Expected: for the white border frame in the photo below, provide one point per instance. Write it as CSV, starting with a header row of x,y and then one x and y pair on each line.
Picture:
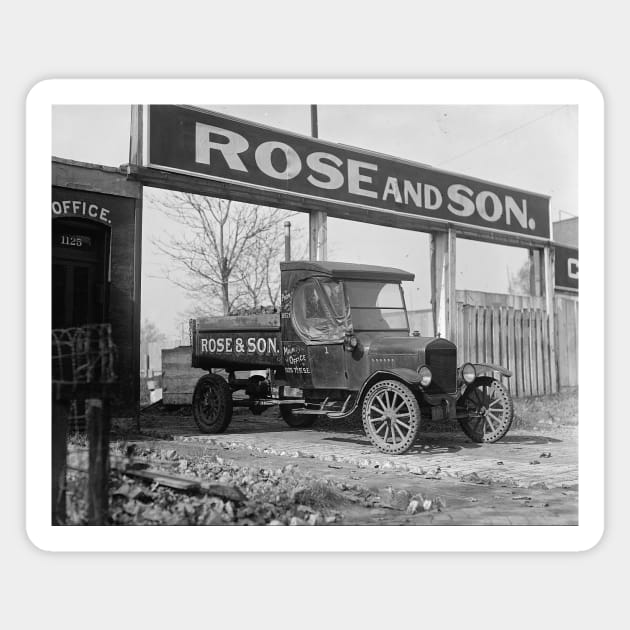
x,y
39,103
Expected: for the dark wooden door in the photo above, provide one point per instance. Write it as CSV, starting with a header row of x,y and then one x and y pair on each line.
x,y
74,294
78,274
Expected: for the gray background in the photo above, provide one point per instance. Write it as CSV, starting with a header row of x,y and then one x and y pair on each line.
x,y
480,39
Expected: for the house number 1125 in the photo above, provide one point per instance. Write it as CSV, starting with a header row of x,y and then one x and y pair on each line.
x,y
71,240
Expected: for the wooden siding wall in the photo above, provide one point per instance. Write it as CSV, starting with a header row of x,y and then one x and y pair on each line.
x,y
74,181
178,377
567,329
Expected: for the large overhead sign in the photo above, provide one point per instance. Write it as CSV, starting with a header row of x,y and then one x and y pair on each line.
x,y
202,143
567,268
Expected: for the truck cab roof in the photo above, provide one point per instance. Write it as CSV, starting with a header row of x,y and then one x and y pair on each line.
x,y
347,271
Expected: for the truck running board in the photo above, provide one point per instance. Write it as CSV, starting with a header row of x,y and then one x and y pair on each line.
x,y
265,402
345,410
318,411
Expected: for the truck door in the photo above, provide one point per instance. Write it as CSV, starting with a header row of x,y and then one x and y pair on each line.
x,y
314,354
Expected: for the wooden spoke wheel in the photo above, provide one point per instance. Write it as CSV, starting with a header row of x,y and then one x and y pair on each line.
x,y
212,404
391,416
485,410
296,421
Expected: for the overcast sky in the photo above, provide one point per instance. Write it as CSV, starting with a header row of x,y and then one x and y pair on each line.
x,y
528,147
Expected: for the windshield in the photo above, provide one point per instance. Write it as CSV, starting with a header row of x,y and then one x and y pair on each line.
x,y
376,306
320,312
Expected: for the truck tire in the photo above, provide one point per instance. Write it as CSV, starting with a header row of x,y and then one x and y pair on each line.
x,y
391,416
490,410
212,404
296,421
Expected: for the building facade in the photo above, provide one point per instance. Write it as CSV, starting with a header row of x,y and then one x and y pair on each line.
x,y
96,248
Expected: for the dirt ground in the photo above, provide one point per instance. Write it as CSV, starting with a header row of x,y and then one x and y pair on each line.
x,y
528,478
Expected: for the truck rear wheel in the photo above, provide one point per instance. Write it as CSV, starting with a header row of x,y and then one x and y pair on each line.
x,y
489,410
391,416
296,421
212,404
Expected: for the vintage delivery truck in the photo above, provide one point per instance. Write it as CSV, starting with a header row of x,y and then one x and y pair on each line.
x,y
341,344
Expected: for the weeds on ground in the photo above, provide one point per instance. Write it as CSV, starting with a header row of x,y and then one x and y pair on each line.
x,y
552,410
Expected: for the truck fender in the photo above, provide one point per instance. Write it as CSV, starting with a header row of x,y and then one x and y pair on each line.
x,y
406,375
488,369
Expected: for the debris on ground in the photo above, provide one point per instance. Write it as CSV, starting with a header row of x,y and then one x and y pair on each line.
x,y
473,477
539,485
209,490
406,501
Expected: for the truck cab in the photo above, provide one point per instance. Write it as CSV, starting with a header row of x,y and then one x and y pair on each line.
x,y
343,323
342,345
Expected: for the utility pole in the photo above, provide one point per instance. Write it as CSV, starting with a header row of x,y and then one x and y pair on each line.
x,y
317,221
314,129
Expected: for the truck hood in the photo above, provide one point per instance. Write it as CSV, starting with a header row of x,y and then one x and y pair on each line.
x,y
439,354
399,346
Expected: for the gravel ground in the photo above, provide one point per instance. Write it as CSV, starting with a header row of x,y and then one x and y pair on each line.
x,y
329,490
238,493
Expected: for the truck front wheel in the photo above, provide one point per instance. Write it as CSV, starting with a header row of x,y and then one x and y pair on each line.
x,y
212,404
485,410
391,416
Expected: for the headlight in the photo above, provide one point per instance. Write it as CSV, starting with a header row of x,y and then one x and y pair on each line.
x,y
468,373
425,376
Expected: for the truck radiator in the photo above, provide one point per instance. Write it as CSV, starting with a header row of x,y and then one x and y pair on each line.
x,y
441,357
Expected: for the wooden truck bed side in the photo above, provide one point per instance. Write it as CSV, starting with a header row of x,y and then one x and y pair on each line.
x,y
237,342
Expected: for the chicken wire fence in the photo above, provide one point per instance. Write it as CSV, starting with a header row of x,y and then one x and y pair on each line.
x,y
82,365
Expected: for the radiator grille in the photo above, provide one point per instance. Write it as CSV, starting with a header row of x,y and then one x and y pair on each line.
x,y
443,365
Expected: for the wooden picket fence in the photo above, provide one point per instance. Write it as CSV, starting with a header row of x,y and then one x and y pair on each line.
x,y
513,331
516,338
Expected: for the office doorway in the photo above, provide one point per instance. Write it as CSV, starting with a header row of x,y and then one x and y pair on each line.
x,y
79,273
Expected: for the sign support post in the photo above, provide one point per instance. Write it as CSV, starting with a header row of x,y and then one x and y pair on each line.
x,y
318,235
136,138
136,157
550,284
536,272
444,301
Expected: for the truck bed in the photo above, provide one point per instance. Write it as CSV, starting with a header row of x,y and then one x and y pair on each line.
x,y
238,341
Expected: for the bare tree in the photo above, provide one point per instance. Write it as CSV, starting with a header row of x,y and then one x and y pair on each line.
x,y
258,271
150,333
227,256
519,282
150,336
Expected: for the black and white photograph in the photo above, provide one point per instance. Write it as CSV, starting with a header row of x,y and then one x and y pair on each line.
x,y
314,315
